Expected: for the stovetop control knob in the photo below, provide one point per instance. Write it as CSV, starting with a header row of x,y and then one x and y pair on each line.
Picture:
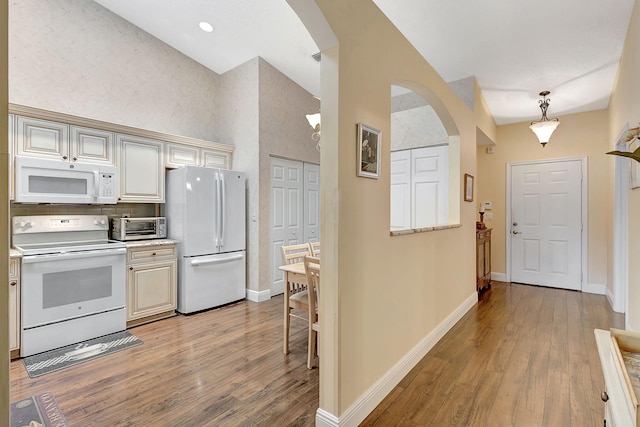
x,y
24,224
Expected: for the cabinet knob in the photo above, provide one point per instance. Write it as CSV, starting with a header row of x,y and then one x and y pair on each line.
x,y
130,268
604,396
64,157
75,158
154,254
13,283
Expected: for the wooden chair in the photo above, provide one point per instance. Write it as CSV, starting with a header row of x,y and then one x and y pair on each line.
x,y
295,293
314,247
312,267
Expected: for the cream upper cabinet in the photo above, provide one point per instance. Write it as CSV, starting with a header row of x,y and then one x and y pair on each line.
x,y
45,138
42,138
140,163
216,159
92,145
14,306
187,155
11,141
182,155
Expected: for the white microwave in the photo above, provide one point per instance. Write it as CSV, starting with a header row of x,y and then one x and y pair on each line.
x,y
41,180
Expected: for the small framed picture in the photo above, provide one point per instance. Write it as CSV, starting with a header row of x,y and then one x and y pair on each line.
x,y
468,187
369,142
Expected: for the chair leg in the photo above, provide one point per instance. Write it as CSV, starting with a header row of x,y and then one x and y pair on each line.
x,y
311,347
287,322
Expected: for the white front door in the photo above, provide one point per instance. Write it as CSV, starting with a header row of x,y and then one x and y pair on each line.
x,y
546,223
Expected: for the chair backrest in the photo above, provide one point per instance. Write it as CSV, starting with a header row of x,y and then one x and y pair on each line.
x,y
312,267
314,247
292,254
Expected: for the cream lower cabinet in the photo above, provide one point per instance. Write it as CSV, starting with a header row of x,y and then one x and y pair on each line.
x,y
14,307
151,283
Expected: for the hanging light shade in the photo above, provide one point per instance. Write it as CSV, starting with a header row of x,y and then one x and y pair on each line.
x,y
545,127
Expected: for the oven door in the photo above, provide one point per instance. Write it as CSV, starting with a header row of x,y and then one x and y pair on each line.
x,y
58,287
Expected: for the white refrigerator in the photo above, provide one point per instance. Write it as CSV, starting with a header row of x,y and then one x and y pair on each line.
x,y
205,211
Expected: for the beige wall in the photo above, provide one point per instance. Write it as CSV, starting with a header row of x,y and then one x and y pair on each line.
x,y
381,295
79,58
625,108
579,135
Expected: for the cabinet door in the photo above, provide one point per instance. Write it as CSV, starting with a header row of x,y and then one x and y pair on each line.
x,y
152,289
215,159
14,304
42,138
140,164
182,155
91,145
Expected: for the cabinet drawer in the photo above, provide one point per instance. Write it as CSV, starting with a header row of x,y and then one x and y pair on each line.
x,y
14,268
150,254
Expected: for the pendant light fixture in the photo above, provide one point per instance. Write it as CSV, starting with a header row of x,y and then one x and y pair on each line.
x,y
545,127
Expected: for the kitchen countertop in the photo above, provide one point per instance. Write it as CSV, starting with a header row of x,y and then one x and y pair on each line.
x,y
14,253
152,242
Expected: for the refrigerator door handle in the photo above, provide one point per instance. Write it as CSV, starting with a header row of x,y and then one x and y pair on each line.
x,y
216,260
223,198
216,220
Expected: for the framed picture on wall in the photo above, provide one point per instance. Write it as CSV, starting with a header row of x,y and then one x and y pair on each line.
x,y
468,187
369,142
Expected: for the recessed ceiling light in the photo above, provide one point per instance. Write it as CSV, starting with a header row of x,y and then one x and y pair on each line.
x,y
205,26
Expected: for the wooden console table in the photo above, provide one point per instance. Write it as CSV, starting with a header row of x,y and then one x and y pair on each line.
x,y
483,259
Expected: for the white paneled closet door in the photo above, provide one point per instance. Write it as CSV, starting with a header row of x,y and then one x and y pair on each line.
x,y
401,190
311,214
419,187
295,210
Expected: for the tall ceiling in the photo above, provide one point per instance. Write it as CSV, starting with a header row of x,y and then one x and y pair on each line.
x,y
514,49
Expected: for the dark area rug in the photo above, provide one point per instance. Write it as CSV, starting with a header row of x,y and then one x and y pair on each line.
x,y
63,357
39,410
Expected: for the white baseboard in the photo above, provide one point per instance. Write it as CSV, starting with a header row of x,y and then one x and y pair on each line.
x,y
609,294
500,277
368,401
592,288
325,419
258,296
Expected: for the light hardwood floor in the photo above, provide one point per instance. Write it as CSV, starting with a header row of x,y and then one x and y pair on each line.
x,y
523,356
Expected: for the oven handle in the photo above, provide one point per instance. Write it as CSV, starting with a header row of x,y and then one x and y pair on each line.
x,y
30,259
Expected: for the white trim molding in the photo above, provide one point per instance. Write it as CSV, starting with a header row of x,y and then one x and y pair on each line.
x,y
258,296
368,401
500,277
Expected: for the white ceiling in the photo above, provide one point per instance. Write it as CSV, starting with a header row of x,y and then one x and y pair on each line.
x,y
514,49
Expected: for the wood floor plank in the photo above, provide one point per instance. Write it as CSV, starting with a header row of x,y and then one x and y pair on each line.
x,y
522,356
517,346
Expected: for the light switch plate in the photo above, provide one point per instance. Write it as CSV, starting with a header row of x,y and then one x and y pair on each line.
x,y
488,215
487,205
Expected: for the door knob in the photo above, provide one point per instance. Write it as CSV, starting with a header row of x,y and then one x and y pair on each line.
x,y
515,224
515,232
